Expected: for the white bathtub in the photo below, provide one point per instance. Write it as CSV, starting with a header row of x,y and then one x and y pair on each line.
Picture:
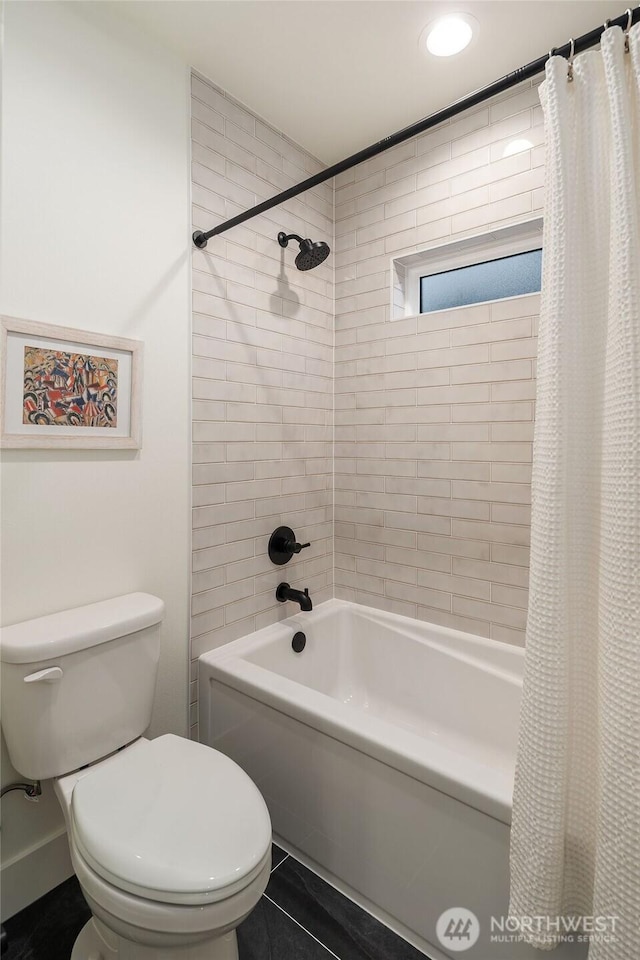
x,y
385,752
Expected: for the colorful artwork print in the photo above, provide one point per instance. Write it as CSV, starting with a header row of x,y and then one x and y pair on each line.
x,y
69,389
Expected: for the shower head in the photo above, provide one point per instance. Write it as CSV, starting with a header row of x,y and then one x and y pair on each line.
x,y
311,254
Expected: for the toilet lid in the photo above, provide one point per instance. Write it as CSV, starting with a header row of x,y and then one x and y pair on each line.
x,y
172,820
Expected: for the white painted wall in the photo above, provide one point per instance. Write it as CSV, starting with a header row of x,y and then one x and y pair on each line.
x,y
95,234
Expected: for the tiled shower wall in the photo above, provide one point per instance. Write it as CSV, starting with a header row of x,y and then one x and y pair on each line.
x,y
434,414
262,377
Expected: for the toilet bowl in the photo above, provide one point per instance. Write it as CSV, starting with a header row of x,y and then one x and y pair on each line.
x,y
171,845
170,840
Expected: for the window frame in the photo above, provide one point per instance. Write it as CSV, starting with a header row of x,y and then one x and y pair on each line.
x,y
407,269
475,263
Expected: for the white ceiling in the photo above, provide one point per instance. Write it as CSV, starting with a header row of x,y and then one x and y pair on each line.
x,y
336,75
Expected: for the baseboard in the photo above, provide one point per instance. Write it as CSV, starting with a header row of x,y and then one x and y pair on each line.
x,y
35,872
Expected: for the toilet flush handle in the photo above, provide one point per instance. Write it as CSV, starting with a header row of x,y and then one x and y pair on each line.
x,y
50,675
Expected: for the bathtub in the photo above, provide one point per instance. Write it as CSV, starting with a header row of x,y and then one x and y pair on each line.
x,y
385,751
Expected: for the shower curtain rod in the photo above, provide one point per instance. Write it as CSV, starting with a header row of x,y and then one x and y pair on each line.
x,y
626,20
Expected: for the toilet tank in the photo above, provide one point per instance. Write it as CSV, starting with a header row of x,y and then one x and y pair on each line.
x,y
79,684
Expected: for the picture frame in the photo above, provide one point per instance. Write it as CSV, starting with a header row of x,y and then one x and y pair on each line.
x,y
68,389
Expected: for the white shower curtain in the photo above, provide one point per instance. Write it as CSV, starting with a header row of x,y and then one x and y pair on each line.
x,y
575,847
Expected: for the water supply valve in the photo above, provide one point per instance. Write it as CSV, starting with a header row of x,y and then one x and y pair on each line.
x,y
283,545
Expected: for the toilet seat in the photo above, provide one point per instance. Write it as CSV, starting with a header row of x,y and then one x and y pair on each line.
x,y
151,922
172,821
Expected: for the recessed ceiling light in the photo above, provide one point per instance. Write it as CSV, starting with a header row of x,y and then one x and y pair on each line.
x,y
449,35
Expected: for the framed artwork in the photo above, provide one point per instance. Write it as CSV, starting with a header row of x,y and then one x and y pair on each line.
x,y
68,388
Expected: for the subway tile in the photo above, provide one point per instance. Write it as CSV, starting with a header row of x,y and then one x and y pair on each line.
x,y
385,364
203,113
385,535
206,580
203,537
223,513
388,570
433,414
454,545
415,199
254,413
219,432
483,412
514,102
418,594
461,586
525,182
508,634
511,472
390,468
456,470
453,431
404,608
371,551
510,553
514,349
448,507
411,343
388,500
221,555
492,331
451,167
207,493
511,513
207,453
222,390
507,432
491,572
456,317
514,452
352,514
461,393
516,390
498,130
454,356
509,596
490,372
491,172
386,227
454,621
535,136
493,612
219,597
491,532
499,492
420,487
440,413
218,634
422,523
209,326
208,410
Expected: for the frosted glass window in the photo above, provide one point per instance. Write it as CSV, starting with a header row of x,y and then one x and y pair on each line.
x,y
493,280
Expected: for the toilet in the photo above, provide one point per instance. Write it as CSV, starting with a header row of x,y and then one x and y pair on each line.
x,y
170,840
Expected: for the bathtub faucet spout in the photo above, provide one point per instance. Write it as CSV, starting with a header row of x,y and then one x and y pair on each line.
x,y
284,592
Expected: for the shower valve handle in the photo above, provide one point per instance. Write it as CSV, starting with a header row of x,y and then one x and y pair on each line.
x,y
296,547
283,544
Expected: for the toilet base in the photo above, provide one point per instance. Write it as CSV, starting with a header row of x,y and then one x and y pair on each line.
x,y
95,942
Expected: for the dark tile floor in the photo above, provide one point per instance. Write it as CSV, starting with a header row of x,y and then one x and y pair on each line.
x,y
300,917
